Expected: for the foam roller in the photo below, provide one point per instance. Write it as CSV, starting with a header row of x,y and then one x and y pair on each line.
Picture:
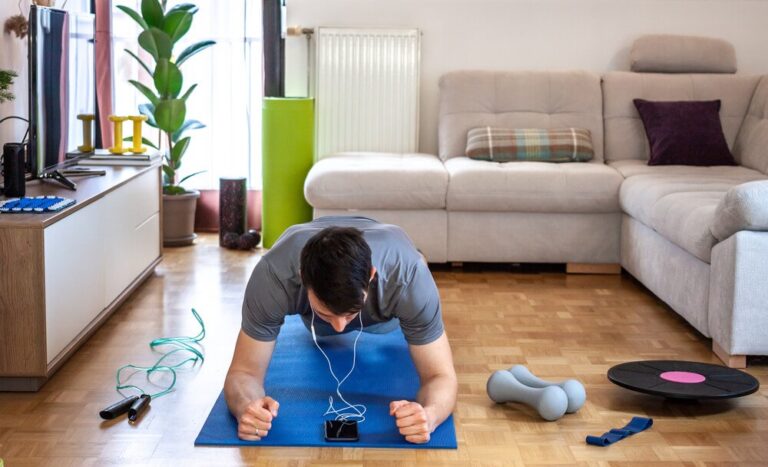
x,y
287,155
574,390
551,402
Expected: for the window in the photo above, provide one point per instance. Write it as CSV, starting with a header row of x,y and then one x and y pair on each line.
x,y
229,92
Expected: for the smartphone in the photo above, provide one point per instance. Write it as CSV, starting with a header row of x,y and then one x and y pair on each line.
x,y
340,430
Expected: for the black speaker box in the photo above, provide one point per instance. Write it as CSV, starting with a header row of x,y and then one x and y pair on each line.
x,y
13,169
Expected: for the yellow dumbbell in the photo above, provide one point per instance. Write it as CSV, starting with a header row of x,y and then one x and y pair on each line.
x,y
118,125
137,125
87,142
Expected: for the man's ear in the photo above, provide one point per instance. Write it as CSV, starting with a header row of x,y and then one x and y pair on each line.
x,y
373,273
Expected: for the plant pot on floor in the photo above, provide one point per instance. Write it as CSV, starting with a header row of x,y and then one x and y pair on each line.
x,y
179,218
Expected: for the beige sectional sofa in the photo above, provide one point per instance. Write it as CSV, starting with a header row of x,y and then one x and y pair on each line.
x,y
695,236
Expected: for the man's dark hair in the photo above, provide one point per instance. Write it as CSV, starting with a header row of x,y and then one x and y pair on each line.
x,y
336,265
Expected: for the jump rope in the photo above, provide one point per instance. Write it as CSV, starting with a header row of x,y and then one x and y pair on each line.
x,y
136,404
349,412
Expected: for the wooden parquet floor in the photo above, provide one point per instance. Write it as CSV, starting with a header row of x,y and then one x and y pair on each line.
x,y
561,326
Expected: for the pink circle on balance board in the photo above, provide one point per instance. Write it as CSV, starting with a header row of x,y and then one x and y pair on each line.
x,y
685,377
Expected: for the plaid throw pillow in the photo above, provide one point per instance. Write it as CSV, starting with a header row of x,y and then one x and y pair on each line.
x,y
530,144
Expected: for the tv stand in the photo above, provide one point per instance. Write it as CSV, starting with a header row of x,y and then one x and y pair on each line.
x,y
64,273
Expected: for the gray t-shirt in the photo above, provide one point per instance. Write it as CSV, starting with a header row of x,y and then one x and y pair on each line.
x,y
403,287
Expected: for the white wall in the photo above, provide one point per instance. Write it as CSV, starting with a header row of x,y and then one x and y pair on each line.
x,y
13,55
530,34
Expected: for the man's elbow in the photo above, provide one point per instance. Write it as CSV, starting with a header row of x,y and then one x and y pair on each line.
x,y
454,385
235,375
449,375
446,379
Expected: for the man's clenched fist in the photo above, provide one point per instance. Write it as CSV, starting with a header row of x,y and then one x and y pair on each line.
x,y
412,420
256,420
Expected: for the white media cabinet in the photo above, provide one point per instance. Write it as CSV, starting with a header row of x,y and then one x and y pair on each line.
x,y
62,274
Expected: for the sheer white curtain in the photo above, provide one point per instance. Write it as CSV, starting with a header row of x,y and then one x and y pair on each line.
x,y
228,96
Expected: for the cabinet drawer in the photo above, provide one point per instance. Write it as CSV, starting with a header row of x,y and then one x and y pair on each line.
x,y
133,236
129,254
93,255
134,202
74,275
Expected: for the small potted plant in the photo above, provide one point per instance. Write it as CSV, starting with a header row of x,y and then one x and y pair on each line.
x,y
166,110
6,80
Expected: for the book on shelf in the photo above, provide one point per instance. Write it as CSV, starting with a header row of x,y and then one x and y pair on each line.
x,y
140,163
104,157
105,154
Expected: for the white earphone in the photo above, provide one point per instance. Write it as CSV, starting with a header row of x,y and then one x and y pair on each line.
x,y
354,412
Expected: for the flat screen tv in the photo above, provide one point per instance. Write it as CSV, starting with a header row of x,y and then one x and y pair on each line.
x,y
61,84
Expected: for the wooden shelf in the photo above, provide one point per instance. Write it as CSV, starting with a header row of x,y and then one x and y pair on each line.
x,y
62,274
89,189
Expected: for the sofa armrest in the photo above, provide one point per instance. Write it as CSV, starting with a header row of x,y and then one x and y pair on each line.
x,y
744,207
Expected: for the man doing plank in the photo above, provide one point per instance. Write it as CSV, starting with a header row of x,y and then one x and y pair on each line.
x,y
343,270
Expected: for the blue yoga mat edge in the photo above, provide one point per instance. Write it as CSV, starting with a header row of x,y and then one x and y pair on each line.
x,y
205,440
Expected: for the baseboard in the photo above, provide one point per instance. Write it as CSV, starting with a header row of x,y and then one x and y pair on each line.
x,y
593,268
21,383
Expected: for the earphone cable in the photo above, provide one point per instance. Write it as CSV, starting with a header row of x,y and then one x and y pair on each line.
x,y
343,413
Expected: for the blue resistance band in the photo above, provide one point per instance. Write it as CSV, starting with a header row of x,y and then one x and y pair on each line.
x,y
637,425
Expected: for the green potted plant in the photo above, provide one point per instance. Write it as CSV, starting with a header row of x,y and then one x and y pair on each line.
x,y
6,80
166,110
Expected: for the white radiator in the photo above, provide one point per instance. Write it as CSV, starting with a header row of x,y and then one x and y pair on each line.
x,y
367,90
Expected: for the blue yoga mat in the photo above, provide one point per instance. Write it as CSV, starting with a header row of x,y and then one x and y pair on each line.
x,y
298,378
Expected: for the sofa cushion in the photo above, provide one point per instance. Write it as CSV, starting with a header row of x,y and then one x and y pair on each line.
x,y
750,146
744,207
684,132
530,144
680,204
631,167
377,181
518,99
666,53
624,133
570,187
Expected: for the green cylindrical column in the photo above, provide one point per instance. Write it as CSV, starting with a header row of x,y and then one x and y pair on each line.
x,y
287,155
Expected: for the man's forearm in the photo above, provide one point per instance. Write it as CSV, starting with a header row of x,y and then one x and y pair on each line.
x,y
438,397
241,388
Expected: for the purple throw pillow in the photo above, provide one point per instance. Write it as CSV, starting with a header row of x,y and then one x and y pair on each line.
x,y
684,132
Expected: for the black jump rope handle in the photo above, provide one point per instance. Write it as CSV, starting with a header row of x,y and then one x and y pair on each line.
x,y
138,407
134,405
119,408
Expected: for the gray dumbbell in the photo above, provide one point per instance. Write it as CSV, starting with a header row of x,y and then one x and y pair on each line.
x,y
551,402
575,391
